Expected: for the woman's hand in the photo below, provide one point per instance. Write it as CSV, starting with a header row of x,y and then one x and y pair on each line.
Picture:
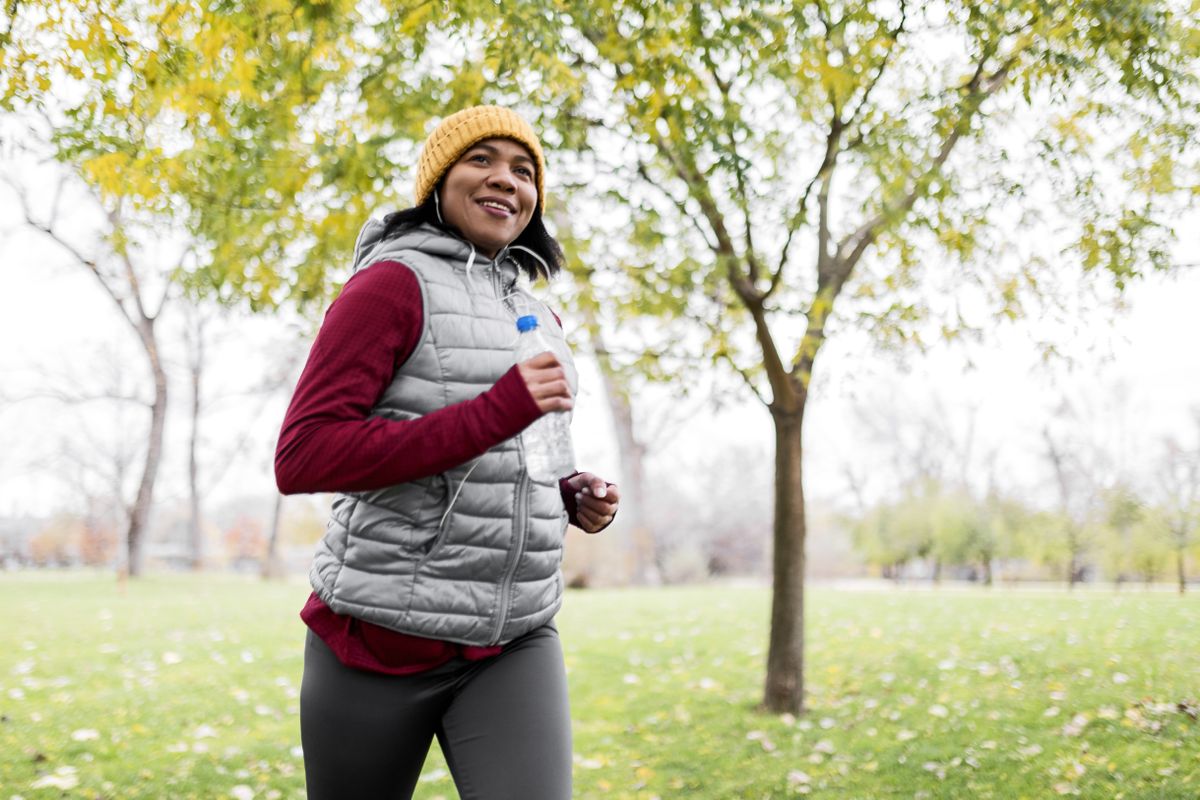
x,y
546,381
596,501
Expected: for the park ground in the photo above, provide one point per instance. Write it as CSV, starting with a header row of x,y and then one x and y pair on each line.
x,y
186,686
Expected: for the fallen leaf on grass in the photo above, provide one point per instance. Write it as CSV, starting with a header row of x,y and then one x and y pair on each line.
x,y
61,778
798,776
1076,725
434,776
762,739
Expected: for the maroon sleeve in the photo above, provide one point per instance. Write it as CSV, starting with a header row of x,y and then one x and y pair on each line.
x,y
568,498
329,444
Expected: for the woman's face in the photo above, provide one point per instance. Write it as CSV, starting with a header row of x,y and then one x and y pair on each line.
x,y
490,194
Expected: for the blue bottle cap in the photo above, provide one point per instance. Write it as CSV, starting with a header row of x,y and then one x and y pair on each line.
x,y
527,323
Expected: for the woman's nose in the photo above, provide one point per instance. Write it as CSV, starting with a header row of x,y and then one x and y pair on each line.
x,y
502,178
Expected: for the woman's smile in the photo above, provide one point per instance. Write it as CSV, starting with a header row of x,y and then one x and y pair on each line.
x,y
499,208
490,193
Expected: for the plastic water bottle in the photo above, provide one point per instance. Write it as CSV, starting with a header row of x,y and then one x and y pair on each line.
x,y
549,454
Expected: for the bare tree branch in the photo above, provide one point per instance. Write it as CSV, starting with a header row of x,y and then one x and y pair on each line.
x,y
131,275
822,176
894,36
725,356
680,205
89,263
76,399
54,207
754,267
978,88
687,171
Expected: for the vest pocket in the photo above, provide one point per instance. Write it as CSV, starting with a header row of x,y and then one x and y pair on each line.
x,y
436,516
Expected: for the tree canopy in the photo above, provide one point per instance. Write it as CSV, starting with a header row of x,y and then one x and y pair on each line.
x,y
771,174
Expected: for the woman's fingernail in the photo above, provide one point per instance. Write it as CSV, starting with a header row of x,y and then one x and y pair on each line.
x,y
602,492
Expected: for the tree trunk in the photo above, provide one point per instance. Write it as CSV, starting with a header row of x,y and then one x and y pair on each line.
x,y
784,690
272,566
1072,562
640,547
139,515
641,562
195,534
987,572
1179,571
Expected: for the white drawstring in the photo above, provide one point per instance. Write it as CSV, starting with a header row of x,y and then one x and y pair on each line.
x,y
437,207
470,263
541,260
457,491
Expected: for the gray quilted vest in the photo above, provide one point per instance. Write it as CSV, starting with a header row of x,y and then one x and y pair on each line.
x,y
472,555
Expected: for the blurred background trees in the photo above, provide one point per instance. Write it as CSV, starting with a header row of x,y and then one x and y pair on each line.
x,y
740,187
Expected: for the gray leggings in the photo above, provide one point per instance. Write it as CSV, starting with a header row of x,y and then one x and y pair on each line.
x,y
503,724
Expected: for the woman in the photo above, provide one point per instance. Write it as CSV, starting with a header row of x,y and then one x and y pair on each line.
x,y
436,584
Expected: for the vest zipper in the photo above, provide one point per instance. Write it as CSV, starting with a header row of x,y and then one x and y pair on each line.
x,y
514,558
521,510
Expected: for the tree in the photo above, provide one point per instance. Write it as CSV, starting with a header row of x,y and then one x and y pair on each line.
x,y
1076,497
119,269
1179,485
1151,545
194,337
961,536
152,107
105,137
1005,516
1121,510
725,137
718,109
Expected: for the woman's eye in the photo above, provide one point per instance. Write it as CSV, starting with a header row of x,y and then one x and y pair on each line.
x,y
480,157
528,173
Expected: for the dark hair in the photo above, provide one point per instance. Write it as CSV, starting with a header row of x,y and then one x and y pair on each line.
x,y
535,236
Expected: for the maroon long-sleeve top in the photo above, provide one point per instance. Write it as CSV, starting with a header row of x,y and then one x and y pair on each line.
x,y
328,442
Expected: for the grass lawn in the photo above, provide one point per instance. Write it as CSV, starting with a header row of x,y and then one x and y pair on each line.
x,y
187,686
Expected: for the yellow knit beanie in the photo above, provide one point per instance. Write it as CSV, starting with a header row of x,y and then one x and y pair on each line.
x,y
457,132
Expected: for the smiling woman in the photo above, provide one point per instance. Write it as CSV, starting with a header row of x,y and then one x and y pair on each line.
x,y
490,193
436,585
